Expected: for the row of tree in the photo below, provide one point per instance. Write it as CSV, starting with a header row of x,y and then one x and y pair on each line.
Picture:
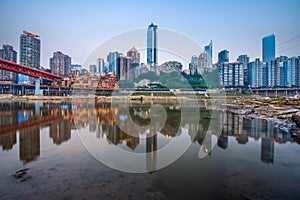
x,y
177,80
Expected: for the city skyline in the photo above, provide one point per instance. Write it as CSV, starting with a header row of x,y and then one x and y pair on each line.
x,y
70,33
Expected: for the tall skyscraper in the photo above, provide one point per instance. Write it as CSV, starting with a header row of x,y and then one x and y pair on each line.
x,y
7,53
244,60
223,56
208,50
255,73
265,73
134,54
152,45
298,72
125,68
100,66
281,70
202,62
271,70
113,59
30,53
292,66
268,48
60,64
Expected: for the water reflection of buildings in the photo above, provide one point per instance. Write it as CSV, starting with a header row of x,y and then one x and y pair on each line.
x,y
8,141
107,125
60,131
267,150
29,141
27,119
240,128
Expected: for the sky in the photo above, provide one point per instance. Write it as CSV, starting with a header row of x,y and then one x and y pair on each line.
x,y
78,27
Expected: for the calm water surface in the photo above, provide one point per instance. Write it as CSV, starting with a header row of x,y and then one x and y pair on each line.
x,y
252,159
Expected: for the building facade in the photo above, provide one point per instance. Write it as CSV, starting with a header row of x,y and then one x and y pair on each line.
x,y
60,64
7,53
231,74
292,67
30,54
244,60
113,59
208,50
100,66
125,68
271,66
255,73
268,48
76,69
281,70
134,54
93,69
223,56
202,62
152,45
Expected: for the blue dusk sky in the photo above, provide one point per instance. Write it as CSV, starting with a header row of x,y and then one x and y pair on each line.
x,y
77,27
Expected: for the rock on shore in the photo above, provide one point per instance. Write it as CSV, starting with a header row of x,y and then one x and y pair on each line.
x,y
296,118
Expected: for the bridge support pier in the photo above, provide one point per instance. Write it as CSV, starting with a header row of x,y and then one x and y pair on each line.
x,y
37,90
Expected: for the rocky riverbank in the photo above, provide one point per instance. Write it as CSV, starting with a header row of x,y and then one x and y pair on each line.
x,y
284,112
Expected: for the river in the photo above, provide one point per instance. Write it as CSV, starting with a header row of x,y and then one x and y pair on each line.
x,y
69,150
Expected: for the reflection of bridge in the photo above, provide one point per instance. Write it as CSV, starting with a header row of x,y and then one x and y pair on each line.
x,y
32,123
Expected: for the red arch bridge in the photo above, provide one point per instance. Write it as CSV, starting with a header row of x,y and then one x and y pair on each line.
x,y
36,73
32,72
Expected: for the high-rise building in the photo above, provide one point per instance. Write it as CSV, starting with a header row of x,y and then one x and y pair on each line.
x,y
223,56
271,70
100,66
193,66
244,60
255,73
134,54
199,63
298,73
268,48
202,62
93,69
292,66
30,53
125,68
265,73
113,59
231,74
60,64
7,53
281,70
208,50
152,44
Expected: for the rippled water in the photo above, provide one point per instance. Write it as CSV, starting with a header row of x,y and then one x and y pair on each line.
x,y
57,146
